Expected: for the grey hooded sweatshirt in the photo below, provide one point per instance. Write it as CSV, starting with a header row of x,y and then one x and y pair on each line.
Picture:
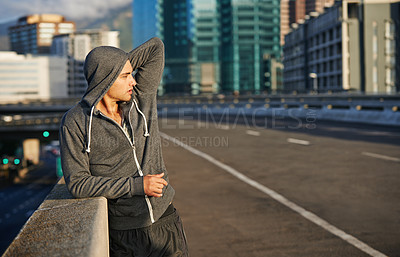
x,y
99,157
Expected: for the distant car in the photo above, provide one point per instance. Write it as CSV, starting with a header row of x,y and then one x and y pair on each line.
x,y
53,147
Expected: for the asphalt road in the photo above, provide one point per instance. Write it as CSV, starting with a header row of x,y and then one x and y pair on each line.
x,y
18,201
345,174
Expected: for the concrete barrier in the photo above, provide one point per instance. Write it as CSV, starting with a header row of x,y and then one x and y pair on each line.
x,y
64,226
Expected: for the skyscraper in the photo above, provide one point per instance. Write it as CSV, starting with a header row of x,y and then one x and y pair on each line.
x,y
250,37
177,30
145,22
206,44
217,45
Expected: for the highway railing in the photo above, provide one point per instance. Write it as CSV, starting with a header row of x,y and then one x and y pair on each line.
x,y
375,109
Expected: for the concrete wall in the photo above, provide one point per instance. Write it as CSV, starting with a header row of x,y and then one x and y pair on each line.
x,y
64,226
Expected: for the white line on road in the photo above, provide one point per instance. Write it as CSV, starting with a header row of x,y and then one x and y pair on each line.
x,y
223,127
380,156
253,133
298,141
281,199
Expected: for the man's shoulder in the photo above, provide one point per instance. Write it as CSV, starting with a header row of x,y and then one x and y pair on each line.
x,y
74,116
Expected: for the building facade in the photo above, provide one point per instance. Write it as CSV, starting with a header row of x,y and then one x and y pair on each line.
x,y
352,46
32,77
294,11
75,47
214,46
34,33
176,30
145,21
205,66
250,30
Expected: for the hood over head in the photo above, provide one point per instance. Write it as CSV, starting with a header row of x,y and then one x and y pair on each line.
x,y
102,67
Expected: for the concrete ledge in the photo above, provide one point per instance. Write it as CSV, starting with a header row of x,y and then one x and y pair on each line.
x,y
64,226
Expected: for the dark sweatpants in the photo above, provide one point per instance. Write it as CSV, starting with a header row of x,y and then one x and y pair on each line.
x,y
165,237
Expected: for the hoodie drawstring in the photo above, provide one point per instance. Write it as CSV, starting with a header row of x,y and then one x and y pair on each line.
x,y
90,130
146,134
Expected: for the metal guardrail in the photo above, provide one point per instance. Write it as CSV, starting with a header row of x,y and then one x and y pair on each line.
x,y
359,103
49,113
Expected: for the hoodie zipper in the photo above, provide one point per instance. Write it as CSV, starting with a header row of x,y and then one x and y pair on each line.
x,y
132,143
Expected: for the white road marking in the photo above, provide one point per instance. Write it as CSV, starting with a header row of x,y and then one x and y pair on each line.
x,y
298,141
281,199
253,133
223,127
380,156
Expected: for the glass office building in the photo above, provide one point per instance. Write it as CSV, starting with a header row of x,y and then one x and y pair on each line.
x,y
214,46
190,31
206,45
145,21
250,38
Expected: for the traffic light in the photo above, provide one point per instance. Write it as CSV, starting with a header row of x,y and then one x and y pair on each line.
x,y
46,134
5,161
17,161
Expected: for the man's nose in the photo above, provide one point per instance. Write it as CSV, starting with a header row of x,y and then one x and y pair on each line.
x,y
133,82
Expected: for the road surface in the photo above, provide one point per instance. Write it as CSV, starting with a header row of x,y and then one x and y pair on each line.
x,y
346,175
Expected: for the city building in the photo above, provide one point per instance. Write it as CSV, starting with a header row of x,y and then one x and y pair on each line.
x,y
352,46
285,22
294,11
190,31
145,21
214,46
175,24
34,33
205,66
75,46
249,31
32,77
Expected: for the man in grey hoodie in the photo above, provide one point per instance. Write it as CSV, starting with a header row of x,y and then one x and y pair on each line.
x,y
111,147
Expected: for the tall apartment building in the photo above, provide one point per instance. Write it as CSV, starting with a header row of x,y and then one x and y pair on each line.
x,y
352,46
34,33
32,77
75,46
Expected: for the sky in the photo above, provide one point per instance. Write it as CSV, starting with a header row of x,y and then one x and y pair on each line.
x,y
71,9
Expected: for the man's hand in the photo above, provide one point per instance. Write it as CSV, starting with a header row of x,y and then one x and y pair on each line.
x,y
154,184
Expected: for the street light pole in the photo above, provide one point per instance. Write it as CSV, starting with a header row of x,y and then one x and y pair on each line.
x,y
314,76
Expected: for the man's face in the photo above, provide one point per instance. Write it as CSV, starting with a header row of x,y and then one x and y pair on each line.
x,y
121,90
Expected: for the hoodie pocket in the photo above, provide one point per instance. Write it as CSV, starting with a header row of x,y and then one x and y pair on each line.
x,y
132,207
